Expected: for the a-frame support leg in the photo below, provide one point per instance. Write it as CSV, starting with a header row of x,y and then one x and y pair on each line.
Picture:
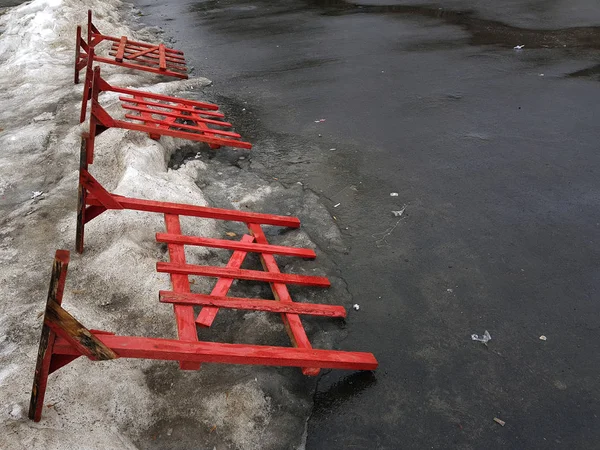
x,y
44,358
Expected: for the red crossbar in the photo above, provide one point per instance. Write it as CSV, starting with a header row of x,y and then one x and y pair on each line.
x,y
157,59
242,274
235,245
112,201
216,352
252,304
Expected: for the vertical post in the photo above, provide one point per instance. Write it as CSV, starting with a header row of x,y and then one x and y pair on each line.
x,y
89,29
77,54
81,194
44,358
88,82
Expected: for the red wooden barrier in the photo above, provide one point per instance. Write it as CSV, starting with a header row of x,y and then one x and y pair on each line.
x,y
158,115
64,339
157,59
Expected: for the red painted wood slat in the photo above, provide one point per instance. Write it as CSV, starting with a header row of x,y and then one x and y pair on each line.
x,y
183,209
161,57
242,274
236,245
142,52
176,115
121,49
208,313
252,304
200,127
213,352
171,106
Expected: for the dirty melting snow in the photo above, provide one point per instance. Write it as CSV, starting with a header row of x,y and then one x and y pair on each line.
x,y
114,284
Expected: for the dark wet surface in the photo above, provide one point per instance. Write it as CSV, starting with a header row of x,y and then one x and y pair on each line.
x,y
493,151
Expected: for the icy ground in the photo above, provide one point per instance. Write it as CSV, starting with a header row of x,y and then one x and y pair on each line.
x,y
114,285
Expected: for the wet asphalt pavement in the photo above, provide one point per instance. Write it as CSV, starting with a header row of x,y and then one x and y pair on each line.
x,y
494,155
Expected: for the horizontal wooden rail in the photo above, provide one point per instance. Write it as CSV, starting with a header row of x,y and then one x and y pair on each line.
x,y
138,204
202,131
145,94
181,134
176,115
236,245
243,274
212,352
252,304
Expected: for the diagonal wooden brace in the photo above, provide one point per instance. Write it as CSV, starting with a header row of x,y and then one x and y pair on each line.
x,y
208,313
292,322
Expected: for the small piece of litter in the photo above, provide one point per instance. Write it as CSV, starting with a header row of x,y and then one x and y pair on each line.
x,y
320,120
356,307
485,338
169,431
335,206
518,47
393,194
541,74
399,212
449,290
332,149
43,117
543,338
212,429
499,421
36,194
197,155
231,234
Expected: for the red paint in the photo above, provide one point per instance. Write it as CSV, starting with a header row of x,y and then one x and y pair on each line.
x,y
236,245
186,326
158,123
214,352
208,313
135,55
243,274
252,304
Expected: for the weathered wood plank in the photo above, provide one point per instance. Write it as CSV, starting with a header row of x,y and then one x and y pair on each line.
x,y
162,65
243,274
47,338
183,209
69,328
235,245
252,304
121,49
176,350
